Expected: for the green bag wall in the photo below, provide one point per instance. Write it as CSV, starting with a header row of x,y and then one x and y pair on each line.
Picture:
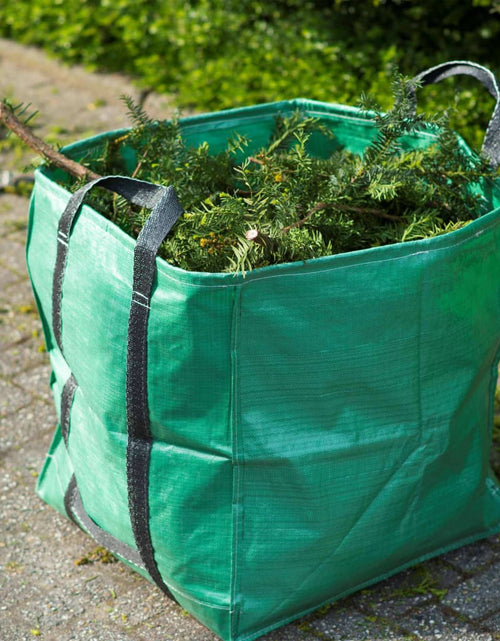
x,y
261,444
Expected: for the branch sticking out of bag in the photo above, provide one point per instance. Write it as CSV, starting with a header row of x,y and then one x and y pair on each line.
x,y
25,133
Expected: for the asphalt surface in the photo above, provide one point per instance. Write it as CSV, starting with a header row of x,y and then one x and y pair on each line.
x,y
45,589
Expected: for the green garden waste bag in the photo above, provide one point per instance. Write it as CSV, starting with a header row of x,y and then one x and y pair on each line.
x,y
261,444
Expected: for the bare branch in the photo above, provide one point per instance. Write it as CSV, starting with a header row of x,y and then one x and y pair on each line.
x,y
24,132
349,208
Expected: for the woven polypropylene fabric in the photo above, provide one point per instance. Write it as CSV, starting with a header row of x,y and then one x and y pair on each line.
x,y
315,426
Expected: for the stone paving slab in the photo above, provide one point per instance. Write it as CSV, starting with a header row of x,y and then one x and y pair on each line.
x,y
407,590
43,593
493,623
348,624
12,398
432,622
479,596
471,559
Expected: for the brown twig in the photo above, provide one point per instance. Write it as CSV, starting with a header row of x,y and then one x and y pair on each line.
x,y
23,132
366,210
256,160
140,163
349,208
310,213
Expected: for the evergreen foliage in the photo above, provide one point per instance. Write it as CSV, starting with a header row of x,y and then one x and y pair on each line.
x,y
283,204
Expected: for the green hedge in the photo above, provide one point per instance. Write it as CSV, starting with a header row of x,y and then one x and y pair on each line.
x,y
223,53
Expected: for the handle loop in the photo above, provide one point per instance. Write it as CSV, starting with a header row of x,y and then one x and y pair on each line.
x,y
491,142
158,198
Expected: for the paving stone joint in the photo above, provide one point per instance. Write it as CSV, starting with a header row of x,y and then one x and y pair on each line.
x,y
42,592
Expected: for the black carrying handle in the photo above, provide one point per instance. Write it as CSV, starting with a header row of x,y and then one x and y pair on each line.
x,y
491,142
165,211
161,200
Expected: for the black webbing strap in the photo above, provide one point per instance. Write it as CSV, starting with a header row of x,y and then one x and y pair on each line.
x,y
73,501
68,394
165,211
491,142
160,222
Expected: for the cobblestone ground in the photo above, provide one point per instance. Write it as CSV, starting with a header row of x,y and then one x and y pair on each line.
x,y
42,591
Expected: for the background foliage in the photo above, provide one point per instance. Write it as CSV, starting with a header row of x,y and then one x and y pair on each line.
x,y
225,53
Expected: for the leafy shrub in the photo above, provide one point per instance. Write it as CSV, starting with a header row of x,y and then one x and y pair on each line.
x,y
225,53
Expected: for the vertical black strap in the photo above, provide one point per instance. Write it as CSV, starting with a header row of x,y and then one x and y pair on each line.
x,y
66,403
140,441
68,394
68,499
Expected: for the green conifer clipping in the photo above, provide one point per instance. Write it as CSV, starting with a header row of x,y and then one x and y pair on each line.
x,y
283,204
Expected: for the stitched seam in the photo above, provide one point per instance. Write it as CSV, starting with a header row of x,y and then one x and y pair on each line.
x,y
381,577
141,304
236,517
320,270
208,605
